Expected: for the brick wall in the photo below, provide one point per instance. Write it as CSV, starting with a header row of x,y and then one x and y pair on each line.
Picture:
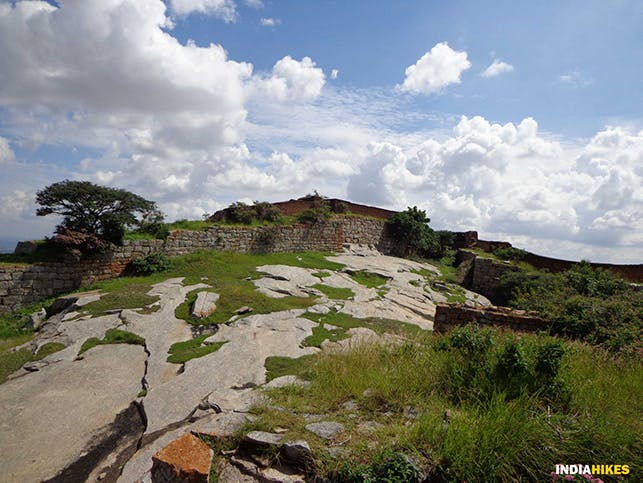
x,y
448,316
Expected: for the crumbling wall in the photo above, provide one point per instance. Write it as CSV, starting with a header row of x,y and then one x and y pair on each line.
x,y
449,316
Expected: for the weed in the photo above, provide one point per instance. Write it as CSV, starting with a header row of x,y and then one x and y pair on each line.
x,y
369,279
334,293
191,349
112,336
11,361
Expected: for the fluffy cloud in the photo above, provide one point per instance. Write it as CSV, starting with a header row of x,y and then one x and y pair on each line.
x,y
269,22
512,182
334,73
226,10
496,68
435,70
293,80
6,153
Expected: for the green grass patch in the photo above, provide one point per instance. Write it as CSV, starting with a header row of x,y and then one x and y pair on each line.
x,y
195,225
11,361
191,349
13,324
321,274
368,279
112,336
335,293
131,296
321,333
346,321
277,366
487,406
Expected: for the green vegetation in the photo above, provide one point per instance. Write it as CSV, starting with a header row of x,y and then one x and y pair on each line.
x,y
125,294
583,303
475,405
227,273
94,216
112,336
414,236
342,322
335,293
321,274
149,264
11,361
277,366
184,224
368,279
191,349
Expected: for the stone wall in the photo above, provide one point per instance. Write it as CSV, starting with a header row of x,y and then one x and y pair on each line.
x,y
449,316
25,284
22,285
484,275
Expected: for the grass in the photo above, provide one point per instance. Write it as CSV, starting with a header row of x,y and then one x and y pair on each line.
x,y
12,361
189,225
191,349
343,322
112,336
334,293
277,366
369,279
132,296
589,412
227,273
321,274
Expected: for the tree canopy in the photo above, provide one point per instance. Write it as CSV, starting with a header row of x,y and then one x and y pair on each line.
x,y
92,212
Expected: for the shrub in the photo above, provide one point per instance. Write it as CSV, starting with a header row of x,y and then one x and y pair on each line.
x,y
509,253
152,263
239,212
266,211
411,230
312,216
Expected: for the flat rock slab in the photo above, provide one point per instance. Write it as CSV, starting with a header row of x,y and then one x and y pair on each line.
x,y
283,381
325,429
50,417
262,439
161,329
205,304
221,375
184,459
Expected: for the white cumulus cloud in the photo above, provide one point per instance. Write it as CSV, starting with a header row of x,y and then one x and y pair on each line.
x,y
226,10
496,68
269,22
435,70
292,80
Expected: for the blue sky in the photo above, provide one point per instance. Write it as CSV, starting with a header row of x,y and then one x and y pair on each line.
x,y
521,120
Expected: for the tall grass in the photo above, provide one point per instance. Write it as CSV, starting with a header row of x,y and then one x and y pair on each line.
x,y
526,408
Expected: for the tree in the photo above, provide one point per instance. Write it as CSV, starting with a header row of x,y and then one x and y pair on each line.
x,y
411,229
93,215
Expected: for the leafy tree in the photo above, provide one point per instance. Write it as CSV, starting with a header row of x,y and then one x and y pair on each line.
x,y
93,215
411,229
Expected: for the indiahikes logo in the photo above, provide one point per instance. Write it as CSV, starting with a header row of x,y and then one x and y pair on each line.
x,y
588,472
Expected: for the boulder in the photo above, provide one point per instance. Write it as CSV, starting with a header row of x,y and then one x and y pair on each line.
x,y
325,429
186,459
262,439
205,304
36,319
298,452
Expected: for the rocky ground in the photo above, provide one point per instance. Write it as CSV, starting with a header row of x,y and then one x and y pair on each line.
x,y
104,414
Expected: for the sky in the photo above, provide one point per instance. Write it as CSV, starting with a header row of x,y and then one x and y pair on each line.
x,y
521,120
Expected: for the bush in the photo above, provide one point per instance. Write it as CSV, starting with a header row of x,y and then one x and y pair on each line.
x,y
509,253
411,230
152,263
312,216
582,303
240,212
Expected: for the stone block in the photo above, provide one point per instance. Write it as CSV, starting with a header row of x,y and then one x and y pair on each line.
x,y
186,459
